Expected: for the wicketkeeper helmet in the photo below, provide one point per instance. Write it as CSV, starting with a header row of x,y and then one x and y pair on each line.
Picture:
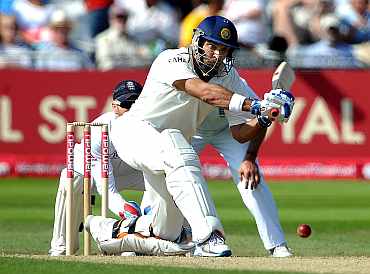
x,y
126,92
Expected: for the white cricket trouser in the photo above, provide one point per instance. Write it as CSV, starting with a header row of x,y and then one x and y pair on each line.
x,y
260,201
142,147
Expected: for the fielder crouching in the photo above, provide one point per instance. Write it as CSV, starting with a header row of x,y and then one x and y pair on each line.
x,y
114,237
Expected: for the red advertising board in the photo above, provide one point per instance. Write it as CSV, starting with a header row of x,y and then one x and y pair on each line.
x,y
327,136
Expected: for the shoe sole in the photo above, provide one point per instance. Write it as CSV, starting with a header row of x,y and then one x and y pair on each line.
x,y
56,254
226,253
282,256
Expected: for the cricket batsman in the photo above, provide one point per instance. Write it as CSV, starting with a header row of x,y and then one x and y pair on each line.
x,y
183,86
121,176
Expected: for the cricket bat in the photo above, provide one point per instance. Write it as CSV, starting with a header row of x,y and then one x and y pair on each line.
x,y
282,78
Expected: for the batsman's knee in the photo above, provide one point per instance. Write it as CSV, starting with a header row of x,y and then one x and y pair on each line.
x,y
178,155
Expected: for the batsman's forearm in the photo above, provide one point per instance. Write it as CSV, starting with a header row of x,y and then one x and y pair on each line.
x,y
212,94
246,132
220,97
254,145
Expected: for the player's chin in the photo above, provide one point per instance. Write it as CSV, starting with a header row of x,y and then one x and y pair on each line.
x,y
211,61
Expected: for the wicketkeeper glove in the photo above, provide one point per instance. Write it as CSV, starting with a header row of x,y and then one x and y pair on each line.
x,y
131,211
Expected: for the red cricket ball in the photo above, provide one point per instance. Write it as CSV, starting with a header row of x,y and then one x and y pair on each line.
x,y
304,230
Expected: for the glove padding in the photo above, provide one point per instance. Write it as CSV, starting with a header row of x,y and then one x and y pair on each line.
x,y
143,245
264,121
262,109
284,100
131,211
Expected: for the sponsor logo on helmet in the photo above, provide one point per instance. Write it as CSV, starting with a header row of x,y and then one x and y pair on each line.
x,y
130,85
225,33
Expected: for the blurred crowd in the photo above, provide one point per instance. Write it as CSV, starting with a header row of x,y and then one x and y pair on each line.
x,y
111,34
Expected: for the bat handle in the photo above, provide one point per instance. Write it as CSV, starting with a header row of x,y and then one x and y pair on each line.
x,y
274,112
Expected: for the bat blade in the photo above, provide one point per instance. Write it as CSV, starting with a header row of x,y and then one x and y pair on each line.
x,y
283,77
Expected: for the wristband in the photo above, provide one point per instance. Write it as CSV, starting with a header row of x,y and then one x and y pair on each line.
x,y
236,102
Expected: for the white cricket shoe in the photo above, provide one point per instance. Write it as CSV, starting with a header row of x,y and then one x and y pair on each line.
x,y
56,253
214,247
281,252
128,254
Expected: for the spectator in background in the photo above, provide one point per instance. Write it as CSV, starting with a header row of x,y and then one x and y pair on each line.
x,y
153,22
192,20
320,9
114,48
59,53
6,7
269,54
249,19
32,18
329,52
281,22
356,14
301,15
184,7
362,53
13,51
97,13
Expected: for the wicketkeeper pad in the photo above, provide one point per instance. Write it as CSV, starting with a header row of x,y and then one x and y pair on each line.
x,y
101,229
147,246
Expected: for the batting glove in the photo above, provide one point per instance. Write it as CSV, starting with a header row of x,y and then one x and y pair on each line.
x,y
256,107
279,96
284,100
262,107
264,121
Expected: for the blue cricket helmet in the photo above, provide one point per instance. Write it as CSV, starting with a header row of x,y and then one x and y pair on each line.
x,y
126,92
220,30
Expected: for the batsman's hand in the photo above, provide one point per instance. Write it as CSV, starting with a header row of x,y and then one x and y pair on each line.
x,y
249,174
284,100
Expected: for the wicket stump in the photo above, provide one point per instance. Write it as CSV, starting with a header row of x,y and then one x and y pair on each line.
x,y
87,178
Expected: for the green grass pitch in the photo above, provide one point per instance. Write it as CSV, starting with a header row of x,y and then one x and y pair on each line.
x,y
338,212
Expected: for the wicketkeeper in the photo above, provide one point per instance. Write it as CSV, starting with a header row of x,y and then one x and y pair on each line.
x,y
131,236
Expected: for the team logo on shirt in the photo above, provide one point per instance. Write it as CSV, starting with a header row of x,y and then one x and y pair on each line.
x,y
225,33
177,59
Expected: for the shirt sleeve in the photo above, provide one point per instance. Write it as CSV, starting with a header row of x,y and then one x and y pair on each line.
x,y
172,65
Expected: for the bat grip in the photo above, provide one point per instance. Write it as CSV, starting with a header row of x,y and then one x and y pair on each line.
x,y
274,112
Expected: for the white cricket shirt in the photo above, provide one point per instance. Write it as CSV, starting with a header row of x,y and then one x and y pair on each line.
x,y
161,104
